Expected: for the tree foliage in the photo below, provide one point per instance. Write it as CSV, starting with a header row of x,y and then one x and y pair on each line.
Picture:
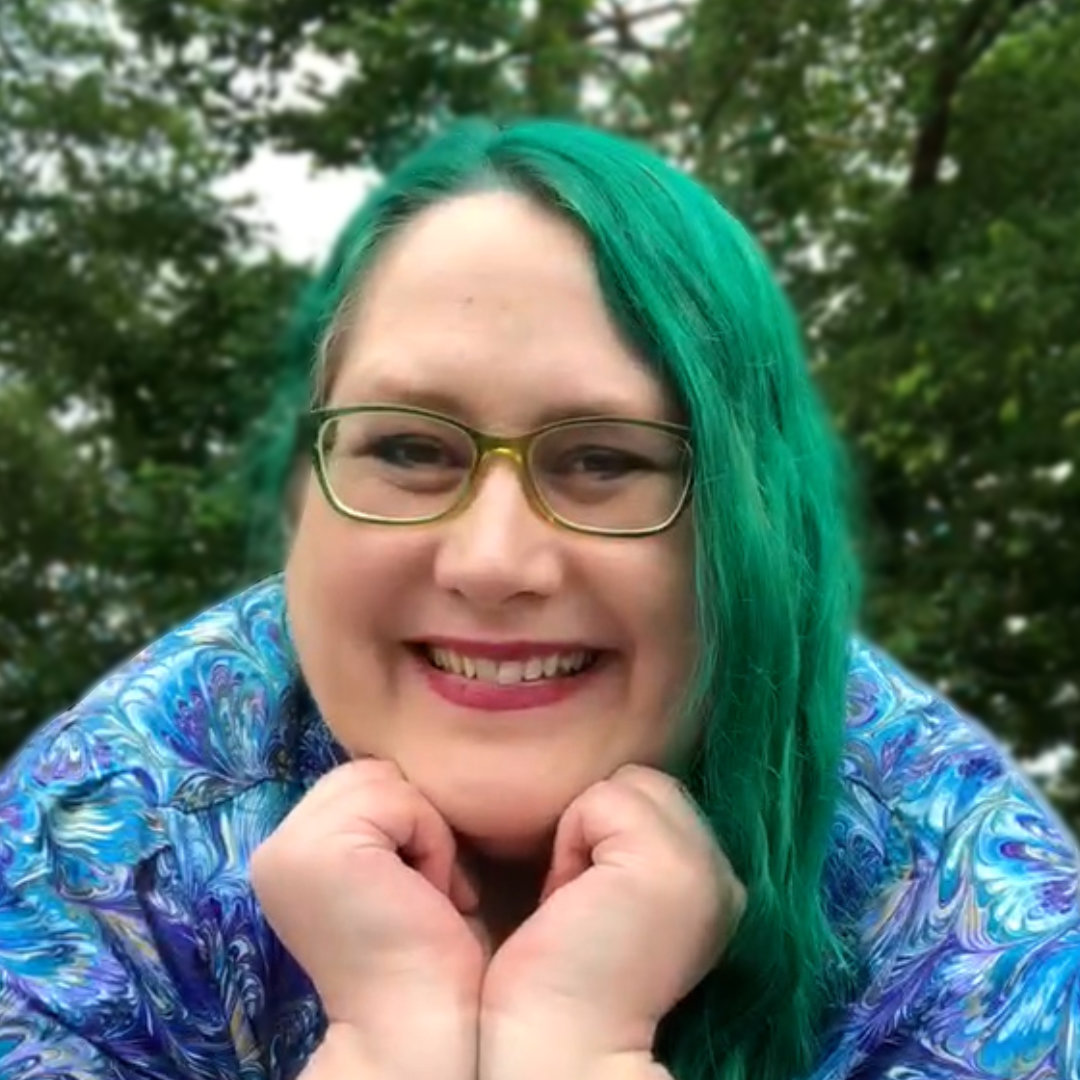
x,y
912,169
134,334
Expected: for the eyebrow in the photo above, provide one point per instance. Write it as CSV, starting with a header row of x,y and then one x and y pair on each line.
x,y
393,392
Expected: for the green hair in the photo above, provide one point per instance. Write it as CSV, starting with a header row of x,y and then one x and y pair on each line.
x,y
775,574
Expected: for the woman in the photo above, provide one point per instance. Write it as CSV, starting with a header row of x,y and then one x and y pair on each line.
x,y
551,753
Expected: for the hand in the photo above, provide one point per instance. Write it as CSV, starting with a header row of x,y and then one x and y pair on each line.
x,y
638,906
361,884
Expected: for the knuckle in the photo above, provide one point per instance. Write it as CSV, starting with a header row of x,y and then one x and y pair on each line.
x,y
604,793
357,782
372,768
633,772
617,802
649,780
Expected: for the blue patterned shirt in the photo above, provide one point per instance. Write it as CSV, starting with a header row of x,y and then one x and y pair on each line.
x,y
131,944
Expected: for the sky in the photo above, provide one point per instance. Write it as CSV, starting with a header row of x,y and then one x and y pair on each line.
x,y
303,208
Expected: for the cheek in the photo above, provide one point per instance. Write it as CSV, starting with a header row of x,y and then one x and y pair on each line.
x,y
340,558
667,601
345,584
665,631
324,548
342,577
648,587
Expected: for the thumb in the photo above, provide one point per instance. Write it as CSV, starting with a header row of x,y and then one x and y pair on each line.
x,y
571,853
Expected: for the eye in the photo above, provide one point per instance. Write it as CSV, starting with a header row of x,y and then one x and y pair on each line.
x,y
413,451
601,462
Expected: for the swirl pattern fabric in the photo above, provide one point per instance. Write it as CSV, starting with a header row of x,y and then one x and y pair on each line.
x,y
131,944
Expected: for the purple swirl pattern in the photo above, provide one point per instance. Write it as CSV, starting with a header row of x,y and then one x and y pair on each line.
x,y
131,945
966,912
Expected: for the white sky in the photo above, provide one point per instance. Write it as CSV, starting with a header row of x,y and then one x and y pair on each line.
x,y
303,209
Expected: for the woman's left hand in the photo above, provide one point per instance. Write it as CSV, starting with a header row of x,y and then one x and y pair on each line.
x,y
638,906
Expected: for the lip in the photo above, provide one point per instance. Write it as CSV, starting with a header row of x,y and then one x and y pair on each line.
x,y
507,650
491,697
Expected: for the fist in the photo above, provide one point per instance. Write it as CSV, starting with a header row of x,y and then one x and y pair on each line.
x,y
361,884
638,906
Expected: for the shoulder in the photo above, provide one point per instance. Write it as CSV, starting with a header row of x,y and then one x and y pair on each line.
x,y
209,708
933,768
206,722
125,828
957,885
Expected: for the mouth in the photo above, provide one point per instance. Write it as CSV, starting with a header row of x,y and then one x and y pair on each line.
x,y
541,666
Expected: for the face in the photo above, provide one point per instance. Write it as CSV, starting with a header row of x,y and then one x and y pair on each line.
x,y
487,308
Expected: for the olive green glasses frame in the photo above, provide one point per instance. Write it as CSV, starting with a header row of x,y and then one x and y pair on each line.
x,y
362,441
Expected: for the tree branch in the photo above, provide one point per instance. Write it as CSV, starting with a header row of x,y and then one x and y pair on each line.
x,y
761,46
996,27
622,23
974,32
725,88
11,56
619,18
623,80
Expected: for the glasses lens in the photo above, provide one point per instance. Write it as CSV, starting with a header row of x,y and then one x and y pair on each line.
x,y
611,475
394,465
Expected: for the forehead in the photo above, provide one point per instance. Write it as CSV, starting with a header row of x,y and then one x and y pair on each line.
x,y
488,306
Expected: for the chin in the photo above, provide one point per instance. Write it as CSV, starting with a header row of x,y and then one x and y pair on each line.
x,y
501,826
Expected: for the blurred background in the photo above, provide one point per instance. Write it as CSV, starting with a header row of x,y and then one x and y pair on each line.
x,y
171,170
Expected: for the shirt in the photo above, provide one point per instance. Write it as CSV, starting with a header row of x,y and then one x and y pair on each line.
x,y
131,944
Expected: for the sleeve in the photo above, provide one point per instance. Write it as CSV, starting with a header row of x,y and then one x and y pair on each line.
x,y
982,980
103,966
35,1046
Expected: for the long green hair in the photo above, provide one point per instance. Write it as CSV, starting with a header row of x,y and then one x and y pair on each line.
x,y
775,575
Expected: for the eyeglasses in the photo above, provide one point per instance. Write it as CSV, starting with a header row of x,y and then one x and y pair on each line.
x,y
394,465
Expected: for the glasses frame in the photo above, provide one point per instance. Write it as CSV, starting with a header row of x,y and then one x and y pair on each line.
x,y
513,448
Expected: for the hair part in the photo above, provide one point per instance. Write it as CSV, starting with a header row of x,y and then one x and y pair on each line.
x,y
775,575
333,341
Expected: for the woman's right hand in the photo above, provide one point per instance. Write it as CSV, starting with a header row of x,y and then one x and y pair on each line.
x,y
361,884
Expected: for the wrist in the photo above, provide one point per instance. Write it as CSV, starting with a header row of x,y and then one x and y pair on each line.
x,y
538,1046
409,1043
628,1066
524,1064
341,1054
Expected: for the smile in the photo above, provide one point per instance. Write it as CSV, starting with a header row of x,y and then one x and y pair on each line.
x,y
505,677
510,672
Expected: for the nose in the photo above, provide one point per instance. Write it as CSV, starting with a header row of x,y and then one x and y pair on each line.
x,y
498,548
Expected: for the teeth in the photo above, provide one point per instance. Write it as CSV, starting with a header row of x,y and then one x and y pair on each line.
x,y
509,672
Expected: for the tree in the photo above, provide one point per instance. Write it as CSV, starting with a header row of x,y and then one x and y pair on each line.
x,y
912,170
135,328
